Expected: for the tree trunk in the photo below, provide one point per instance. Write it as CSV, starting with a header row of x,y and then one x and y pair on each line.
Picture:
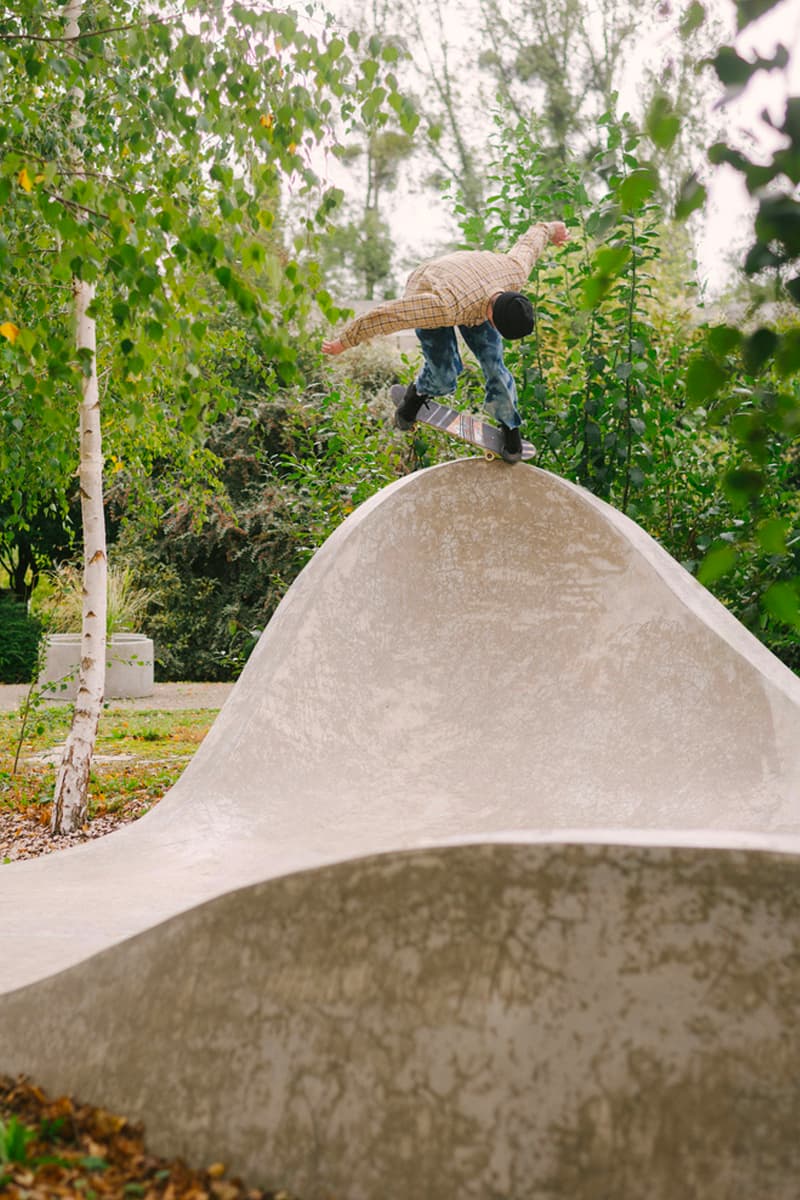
x,y
72,782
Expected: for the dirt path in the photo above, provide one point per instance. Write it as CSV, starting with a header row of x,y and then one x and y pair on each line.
x,y
165,696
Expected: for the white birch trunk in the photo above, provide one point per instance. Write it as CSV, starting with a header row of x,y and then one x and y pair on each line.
x,y
71,795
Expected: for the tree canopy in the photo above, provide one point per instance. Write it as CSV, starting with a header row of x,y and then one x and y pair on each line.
x,y
198,125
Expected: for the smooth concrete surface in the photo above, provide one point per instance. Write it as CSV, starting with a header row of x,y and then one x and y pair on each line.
x,y
483,882
129,667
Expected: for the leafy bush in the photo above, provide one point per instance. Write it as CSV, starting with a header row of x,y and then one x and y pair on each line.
x,y
19,642
607,384
290,471
371,365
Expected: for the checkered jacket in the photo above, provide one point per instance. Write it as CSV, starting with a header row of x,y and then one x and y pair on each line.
x,y
452,290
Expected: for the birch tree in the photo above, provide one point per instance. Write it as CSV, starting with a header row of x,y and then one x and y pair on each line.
x,y
72,779
148,214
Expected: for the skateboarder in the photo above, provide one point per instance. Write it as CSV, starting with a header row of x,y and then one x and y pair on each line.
x,y
475,290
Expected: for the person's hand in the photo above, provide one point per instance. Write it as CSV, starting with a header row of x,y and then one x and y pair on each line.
x,y
558,233
333,347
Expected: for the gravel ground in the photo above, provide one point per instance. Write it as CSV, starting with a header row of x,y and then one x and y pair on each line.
x,y
28,835
165,696
24,837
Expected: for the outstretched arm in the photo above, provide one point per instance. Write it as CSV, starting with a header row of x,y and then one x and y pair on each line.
x,y
531,245
421,310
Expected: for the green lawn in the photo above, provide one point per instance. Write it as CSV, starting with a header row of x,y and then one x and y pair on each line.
x,y
138,756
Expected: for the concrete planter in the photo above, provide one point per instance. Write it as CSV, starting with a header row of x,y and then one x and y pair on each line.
x,y
129,666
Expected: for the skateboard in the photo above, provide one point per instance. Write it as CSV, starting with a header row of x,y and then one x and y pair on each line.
x,y
461,425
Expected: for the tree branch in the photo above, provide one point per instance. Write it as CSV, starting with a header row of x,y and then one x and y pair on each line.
x,y
73,204
90,33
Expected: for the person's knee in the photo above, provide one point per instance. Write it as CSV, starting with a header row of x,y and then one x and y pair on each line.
x,y
439,375
436,382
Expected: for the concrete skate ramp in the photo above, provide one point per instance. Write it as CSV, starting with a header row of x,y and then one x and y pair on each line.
x,y
483,883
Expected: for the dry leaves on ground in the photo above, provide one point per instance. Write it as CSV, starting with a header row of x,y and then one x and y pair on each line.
x,y
26,834
68,1149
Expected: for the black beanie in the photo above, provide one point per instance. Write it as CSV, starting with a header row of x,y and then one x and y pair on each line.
x,y
512,314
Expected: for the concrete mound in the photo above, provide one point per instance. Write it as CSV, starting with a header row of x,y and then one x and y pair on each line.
x,y
483,882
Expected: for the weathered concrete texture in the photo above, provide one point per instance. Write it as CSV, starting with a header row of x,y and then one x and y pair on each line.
x,y
504,1021
479,655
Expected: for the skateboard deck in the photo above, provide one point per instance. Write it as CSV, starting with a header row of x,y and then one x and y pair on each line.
x,y
461,425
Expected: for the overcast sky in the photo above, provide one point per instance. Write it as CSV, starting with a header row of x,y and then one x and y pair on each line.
x,y
728,219
421,222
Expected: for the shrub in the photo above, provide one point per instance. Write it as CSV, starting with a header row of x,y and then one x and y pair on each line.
x,y
19,642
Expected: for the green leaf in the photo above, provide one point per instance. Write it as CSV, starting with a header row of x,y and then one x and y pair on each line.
x,y
662,122
721,152
779,219
731,68
782,600
723,339
610,260
369,69
742,485
772,535
758,348
750,10
719,560
793,288
637,188
760,258
693,18
691,196
594,289
91,1162
787,356
704,378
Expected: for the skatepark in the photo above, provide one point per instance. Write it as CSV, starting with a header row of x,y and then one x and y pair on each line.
x,y
483,884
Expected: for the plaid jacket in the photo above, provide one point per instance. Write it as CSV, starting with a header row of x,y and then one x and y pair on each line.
x,y
452,290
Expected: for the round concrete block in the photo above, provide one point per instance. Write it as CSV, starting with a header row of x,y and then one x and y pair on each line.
x,y
129,666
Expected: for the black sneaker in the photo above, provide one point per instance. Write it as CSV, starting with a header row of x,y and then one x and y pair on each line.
x,y
512,444
409,406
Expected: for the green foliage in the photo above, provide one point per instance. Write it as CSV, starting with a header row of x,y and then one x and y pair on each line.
x,y
748,380
19,642
589,378
348,458
43,535
357,259
613,381
14,1141
290,470
59,604
148,157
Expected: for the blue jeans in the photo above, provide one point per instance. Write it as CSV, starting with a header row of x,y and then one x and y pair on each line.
x,y
443,366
